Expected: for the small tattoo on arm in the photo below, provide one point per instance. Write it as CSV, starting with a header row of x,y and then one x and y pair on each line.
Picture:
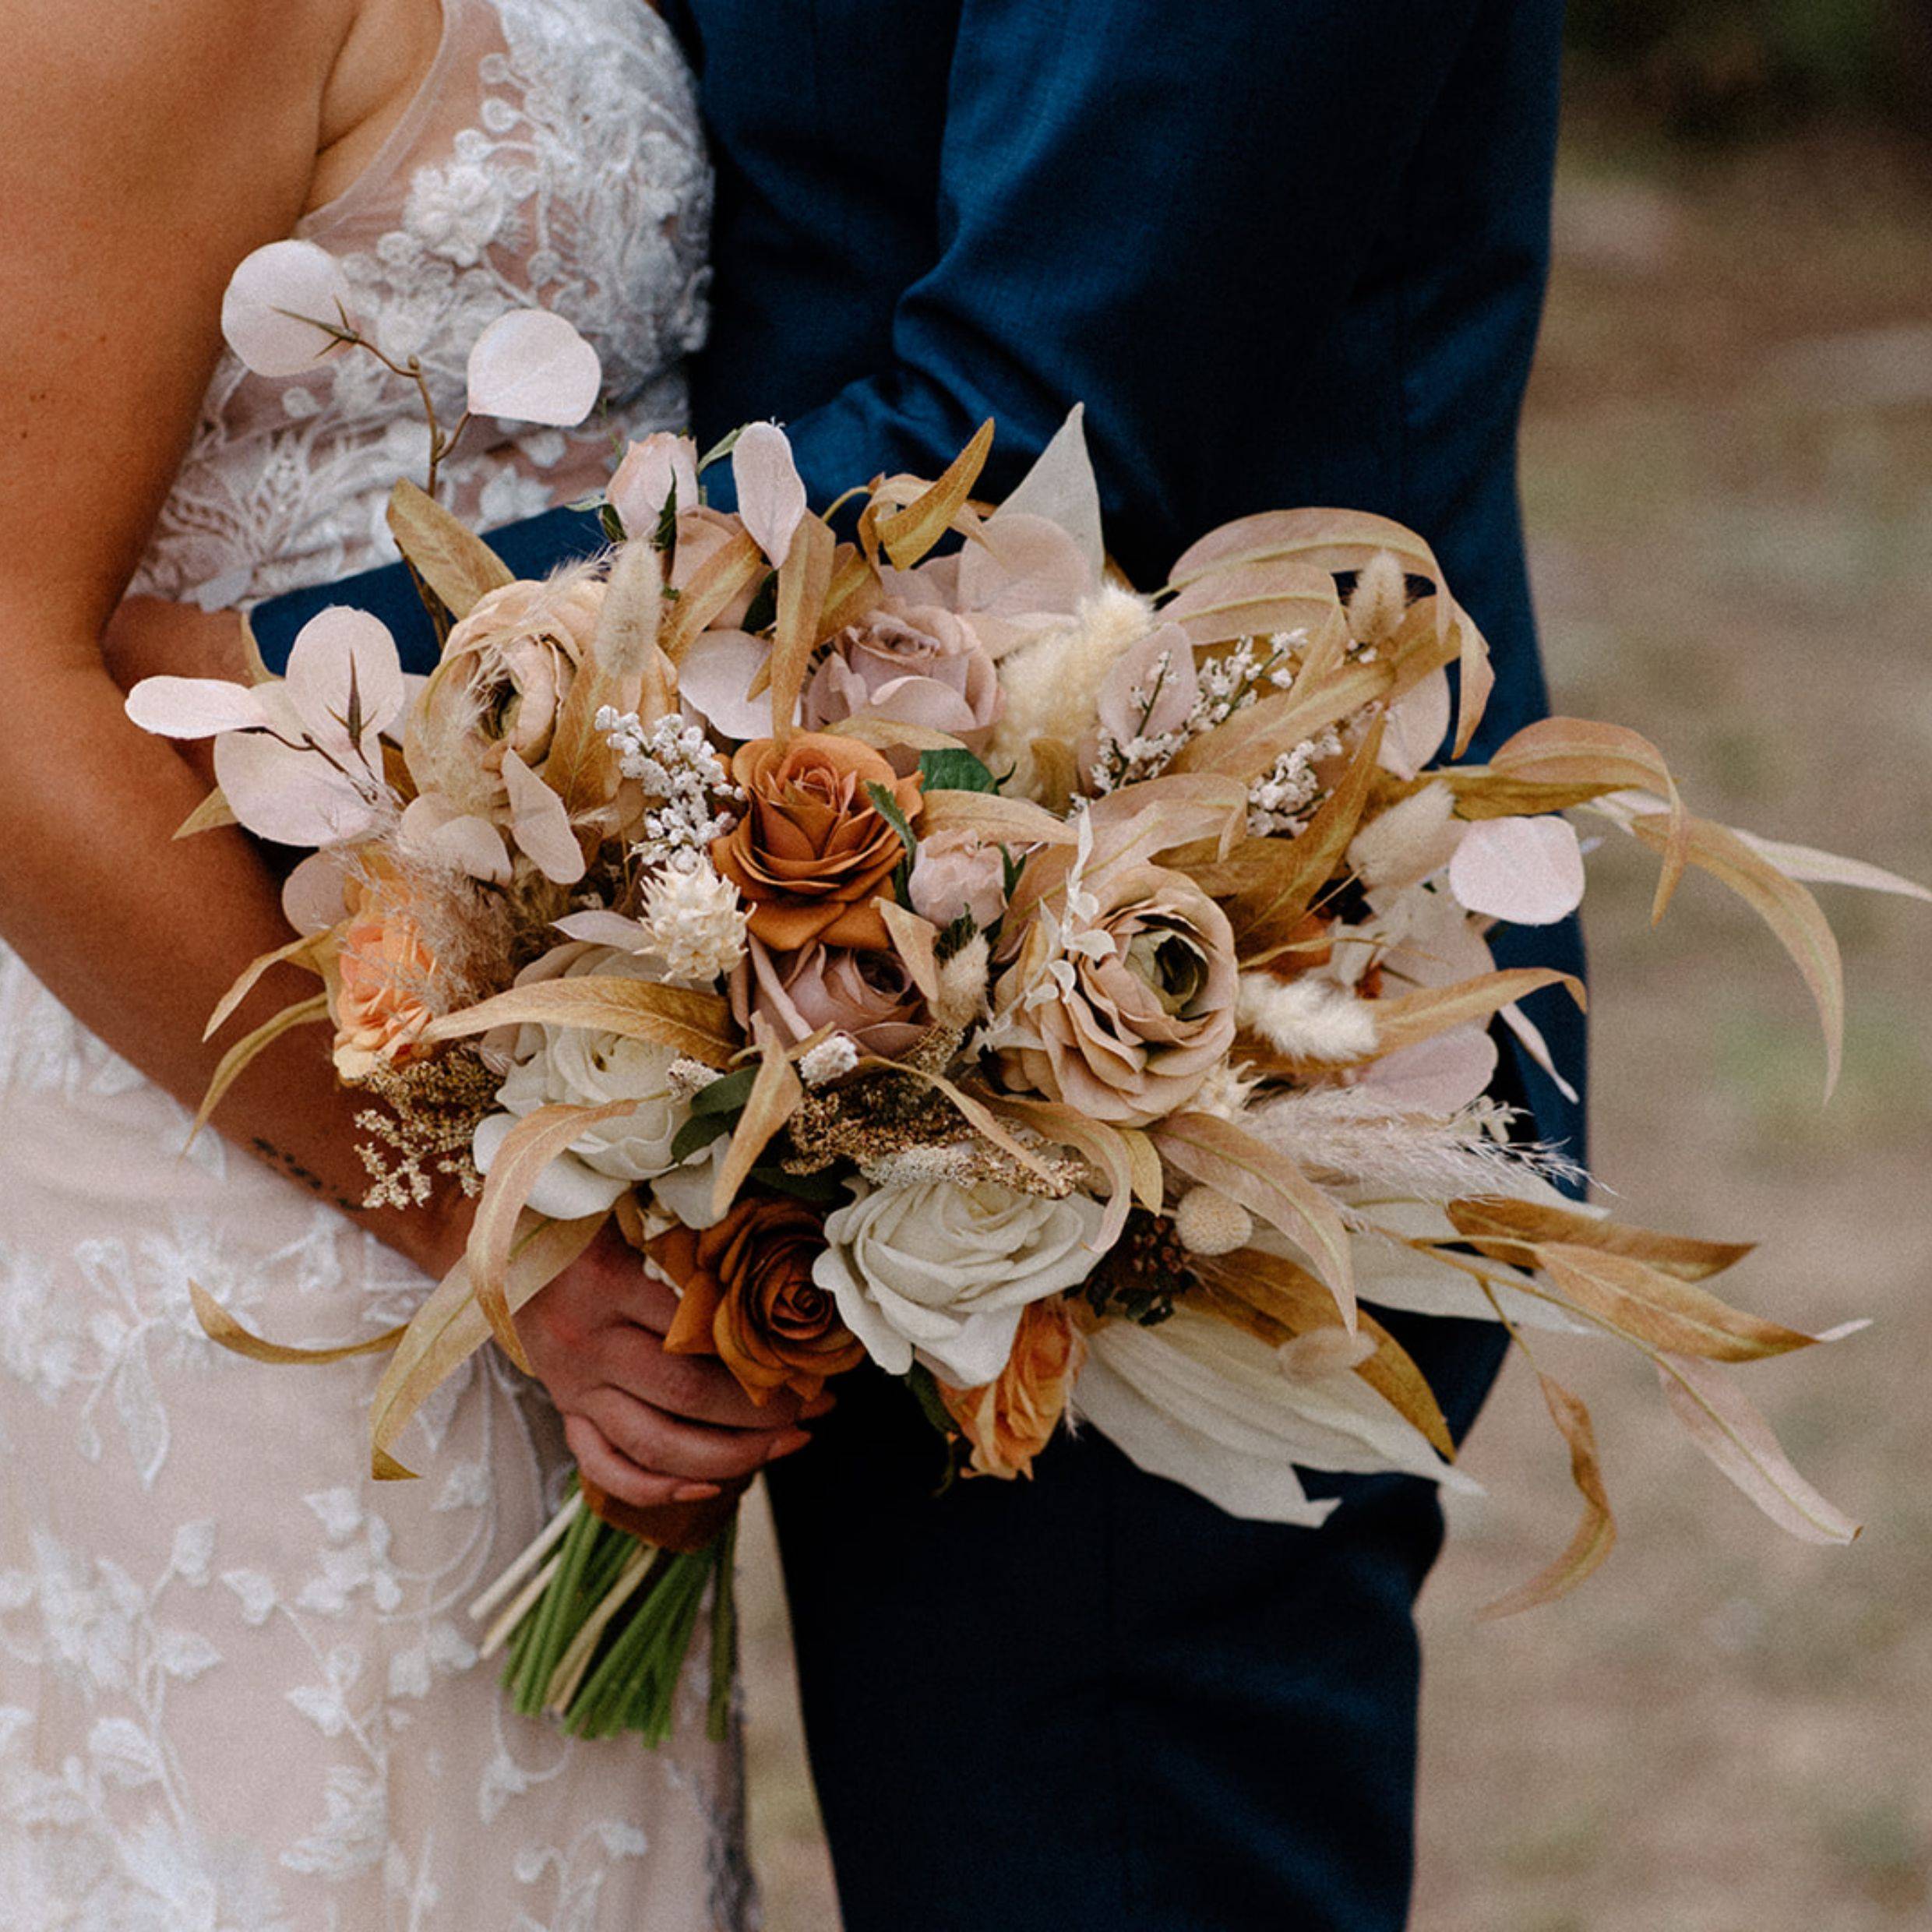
x,y
287,1164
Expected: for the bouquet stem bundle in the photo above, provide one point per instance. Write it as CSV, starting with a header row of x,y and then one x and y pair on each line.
x,y
598,1636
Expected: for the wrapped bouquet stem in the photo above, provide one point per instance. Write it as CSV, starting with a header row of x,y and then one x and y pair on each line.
x,y
931,952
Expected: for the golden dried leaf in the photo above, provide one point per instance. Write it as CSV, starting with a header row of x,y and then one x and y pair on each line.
x,y
449,1327
1104,1147
221,1327
1574,751
1257,599
1785,906
1245,745
995,818
1595,1536
1482,792
210,815
1408,1017
1268,1184
1267,918
1659,1310
854,591
302,952
450,557
909,533
1055,772
698,1024
1149,1184
774,1097
883,733
1287,1295
803,583
916,941
731,570
234,1063
1517,1224
1723,1422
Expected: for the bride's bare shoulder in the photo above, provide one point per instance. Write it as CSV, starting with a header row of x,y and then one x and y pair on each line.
x,y
113,87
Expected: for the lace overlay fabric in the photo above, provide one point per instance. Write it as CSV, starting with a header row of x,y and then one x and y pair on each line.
x,y
239,1687
552,159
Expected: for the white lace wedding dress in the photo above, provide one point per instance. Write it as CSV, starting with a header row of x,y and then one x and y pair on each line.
x,y
238,1691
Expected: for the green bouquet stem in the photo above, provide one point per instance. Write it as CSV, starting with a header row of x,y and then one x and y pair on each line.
x,y
602,1645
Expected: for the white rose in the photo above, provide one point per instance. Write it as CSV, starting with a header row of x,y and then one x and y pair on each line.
x,y
577,1067
946,1269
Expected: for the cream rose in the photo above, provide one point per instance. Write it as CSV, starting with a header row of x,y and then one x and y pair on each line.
x,y
946,1270
585,1068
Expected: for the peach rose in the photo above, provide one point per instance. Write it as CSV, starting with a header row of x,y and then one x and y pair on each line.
x,y
749,1297
812,851
382,1006
1010,1421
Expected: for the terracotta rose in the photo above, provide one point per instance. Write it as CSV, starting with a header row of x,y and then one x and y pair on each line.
x,y
749,1297
812,851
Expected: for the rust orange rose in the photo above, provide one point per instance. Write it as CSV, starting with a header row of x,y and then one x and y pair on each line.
x,y
1008,1422
749,1297
812,851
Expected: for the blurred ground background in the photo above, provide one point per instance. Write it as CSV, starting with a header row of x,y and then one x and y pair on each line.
x,y
1728,472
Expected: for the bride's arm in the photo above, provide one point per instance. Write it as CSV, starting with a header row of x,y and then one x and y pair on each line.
x,y
147,149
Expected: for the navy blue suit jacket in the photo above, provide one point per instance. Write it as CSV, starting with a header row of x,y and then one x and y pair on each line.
x,y
1287,251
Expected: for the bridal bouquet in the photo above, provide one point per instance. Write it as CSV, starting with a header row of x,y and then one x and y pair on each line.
x,y
930,950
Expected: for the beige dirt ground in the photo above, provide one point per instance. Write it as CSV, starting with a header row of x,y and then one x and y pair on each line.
x,y
1728,483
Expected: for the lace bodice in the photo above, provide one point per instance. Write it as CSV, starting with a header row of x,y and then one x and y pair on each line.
x,y
551,158
239,1688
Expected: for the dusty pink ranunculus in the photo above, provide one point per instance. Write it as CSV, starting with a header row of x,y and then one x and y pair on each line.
x,y
869,995
912,663
506,670
958,872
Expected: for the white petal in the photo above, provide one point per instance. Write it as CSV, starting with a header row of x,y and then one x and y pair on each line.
x,y
1246,1486
312,894
274,300
288,796
714,676
344,663
976,1354
686,1191
1418,723
771,492
533,366
540,824
1061,487
566,1189
196,708
1438,1076
435,827
605,929
1529,871
833,1271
